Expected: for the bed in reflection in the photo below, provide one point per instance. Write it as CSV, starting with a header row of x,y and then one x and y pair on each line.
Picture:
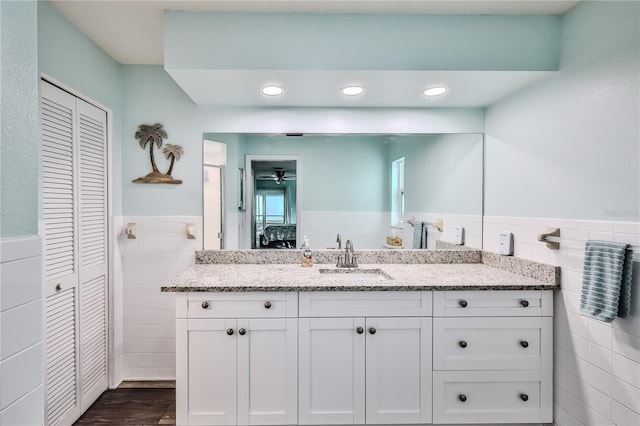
x,y
278,237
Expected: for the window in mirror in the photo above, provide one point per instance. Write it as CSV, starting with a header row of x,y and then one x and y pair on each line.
x,y
397,193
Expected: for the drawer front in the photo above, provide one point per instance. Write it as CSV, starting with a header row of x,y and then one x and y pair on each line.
x,y
365,303
492,397
491,303
516,343
238,305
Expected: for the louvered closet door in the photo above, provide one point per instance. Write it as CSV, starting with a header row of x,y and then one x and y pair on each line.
x,y
60,254
92,254
74,185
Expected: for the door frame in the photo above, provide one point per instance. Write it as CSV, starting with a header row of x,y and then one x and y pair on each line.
x,y
115,358
223,216
249,195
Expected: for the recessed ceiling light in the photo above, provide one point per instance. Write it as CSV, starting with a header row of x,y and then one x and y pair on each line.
x,y
272,90
435,91
352,90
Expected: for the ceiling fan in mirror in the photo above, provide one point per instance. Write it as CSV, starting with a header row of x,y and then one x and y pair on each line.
x,y
279,175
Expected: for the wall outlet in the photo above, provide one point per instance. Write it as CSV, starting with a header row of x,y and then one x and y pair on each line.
x,y
505,243
459,237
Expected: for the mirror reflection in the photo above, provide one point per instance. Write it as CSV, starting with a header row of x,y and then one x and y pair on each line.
x,y
368,188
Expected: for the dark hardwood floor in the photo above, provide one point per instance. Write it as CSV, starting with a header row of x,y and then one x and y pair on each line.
x,y
134,404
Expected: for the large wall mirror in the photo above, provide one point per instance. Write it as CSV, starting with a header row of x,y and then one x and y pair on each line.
x,y
277,189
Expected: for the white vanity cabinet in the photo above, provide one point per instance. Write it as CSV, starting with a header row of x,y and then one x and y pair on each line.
x,y
365,357
237,358
492,357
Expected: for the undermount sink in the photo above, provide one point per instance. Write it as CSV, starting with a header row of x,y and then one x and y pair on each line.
x,y
354,275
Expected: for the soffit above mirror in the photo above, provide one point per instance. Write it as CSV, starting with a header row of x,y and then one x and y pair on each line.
x,y
222,53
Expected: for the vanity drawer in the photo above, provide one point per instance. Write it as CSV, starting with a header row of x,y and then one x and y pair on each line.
x,y
492,303
365,303
492,397
237,305
516,343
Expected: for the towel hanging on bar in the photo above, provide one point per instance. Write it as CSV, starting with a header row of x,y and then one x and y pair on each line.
x,y
606,280
420,235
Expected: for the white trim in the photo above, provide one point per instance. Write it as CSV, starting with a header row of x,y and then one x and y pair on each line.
x,y
249,158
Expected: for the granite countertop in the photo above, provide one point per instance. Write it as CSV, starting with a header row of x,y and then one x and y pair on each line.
x,y
293,277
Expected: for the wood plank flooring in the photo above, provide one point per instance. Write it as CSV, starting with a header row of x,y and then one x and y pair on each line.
x,y
134,403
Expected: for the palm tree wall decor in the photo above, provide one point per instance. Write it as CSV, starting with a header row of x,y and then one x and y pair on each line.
x,y
152,134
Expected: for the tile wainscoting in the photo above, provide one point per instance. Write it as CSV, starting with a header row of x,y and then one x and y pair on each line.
x,y
597,365
21,331
160,252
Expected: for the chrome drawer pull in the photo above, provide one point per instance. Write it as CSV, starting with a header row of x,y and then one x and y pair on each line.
x,y
524,344
267,305
462,344
230,331
372,330
524,397
359,330
242,331
524,303
462,397
205,305
463,303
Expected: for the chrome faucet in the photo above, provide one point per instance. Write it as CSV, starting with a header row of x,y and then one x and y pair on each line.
x,y
339,241
349,260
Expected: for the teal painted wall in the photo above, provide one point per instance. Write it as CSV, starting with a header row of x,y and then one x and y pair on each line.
x,y
73,59
152,97
20,130
569,145
338,173
443,173
304,41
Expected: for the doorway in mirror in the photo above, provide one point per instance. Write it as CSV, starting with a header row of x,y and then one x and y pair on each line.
x,y
215,156
272,193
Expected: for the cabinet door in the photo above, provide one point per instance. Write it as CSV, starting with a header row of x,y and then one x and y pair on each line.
x,y
332,368
398,365
267,371
206,371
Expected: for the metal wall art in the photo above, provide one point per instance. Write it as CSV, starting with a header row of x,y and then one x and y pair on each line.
x,y
153,135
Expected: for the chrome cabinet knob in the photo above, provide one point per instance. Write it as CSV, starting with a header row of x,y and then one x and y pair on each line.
x,y
462,397
524,344
230,331
242,331
463,303
524,397
267,305
372,330
205,305
359,330
462,344
524,303
58,286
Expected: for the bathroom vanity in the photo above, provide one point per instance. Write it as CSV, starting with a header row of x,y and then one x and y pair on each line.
x,y
422,344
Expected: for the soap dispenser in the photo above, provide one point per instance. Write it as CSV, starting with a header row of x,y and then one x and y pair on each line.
x,y
307,257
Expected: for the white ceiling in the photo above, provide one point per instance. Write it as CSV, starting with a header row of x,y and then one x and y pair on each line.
x,y
132,32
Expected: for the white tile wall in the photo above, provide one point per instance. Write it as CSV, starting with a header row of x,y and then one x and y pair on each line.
x,y
472,227
21,324
597,365
160,252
